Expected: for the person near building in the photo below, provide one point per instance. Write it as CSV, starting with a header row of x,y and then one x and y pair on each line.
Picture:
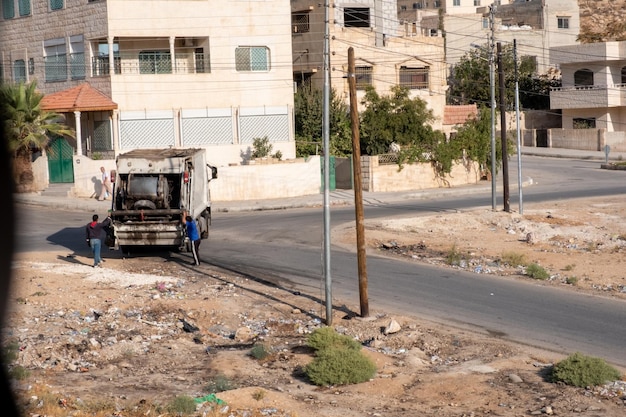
x,y
194,238
106,185
94,232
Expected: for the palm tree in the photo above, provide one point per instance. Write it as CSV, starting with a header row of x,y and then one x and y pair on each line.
x,y
27,128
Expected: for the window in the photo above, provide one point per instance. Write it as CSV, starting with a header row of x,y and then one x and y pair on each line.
x,y
31,66
584,123
155,62
562,22
100,64
363,76
485,23
8,8
252,58
583,77
417,6
456,2
415,78
19,71
56,4
55,60
300,22
356,17
476,2
201,61
77,58
623,75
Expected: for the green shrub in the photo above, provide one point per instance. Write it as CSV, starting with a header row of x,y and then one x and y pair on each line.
x,y
513,258
260,351
220,383
327,337
582,371
181,405
454,256
537,272
340,366
573,280
261,147
18,373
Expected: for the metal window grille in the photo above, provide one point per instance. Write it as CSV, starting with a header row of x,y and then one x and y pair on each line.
x,y
155,62
19,71
101,140
56,4
77,66
414,78
254,58
24,7
456,3
300,22
8,9
363,76
202,60
55,67
100,65
563,22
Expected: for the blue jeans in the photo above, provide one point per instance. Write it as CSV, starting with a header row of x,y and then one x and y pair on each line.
x,y
96,244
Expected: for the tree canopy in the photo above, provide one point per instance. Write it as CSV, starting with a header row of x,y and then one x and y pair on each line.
x,y
27,126
308,109
469,81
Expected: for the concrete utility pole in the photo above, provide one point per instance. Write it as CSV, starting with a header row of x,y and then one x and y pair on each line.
x,y
518,132
492,85
505,161
326,139
358,189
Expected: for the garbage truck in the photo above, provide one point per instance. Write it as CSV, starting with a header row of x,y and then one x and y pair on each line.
x,y
153,191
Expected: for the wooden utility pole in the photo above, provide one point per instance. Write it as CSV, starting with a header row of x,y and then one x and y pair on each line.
x,y
505,154
358,190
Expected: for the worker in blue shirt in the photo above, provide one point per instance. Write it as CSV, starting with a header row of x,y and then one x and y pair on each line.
x,y
194,237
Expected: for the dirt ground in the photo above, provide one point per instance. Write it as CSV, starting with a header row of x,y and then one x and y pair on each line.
x,y
144,330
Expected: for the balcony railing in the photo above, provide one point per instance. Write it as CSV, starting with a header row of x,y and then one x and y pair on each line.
x,y
153,62
588,96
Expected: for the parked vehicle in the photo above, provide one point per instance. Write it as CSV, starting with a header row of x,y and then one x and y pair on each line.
x,y
154,190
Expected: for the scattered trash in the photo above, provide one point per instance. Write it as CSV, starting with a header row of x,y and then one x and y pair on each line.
x,y
211,398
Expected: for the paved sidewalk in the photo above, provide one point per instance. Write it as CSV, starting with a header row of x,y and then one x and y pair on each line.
x,y
338,197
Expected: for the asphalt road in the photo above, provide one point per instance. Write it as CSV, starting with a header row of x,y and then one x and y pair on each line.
x,y
285,248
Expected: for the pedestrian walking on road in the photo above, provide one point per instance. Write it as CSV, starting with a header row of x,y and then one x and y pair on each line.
x,y
194,237
94,232
106,185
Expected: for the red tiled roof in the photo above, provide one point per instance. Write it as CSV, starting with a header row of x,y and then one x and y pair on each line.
x,y
458,115
81,98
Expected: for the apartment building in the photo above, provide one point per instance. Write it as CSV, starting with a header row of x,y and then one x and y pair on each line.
x,y
387,53
142,74
593,92
537,25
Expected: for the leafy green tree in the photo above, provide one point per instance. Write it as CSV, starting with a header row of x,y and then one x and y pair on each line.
x,y
396,118
27,127
308,108
469,81
474,137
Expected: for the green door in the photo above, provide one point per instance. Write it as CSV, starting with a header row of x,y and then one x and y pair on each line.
x,y
332,179
60,167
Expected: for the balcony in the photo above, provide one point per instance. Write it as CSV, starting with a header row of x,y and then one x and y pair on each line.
x,y
588,96
152,62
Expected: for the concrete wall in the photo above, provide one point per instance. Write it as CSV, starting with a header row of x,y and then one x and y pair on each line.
x,y
385,178
586,139
87,176
277,180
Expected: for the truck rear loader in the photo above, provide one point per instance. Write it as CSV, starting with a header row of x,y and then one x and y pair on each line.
x,y
154,189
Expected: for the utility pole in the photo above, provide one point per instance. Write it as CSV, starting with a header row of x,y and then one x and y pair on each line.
x,y
517,124
358,189
326,147
505,162
492,85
